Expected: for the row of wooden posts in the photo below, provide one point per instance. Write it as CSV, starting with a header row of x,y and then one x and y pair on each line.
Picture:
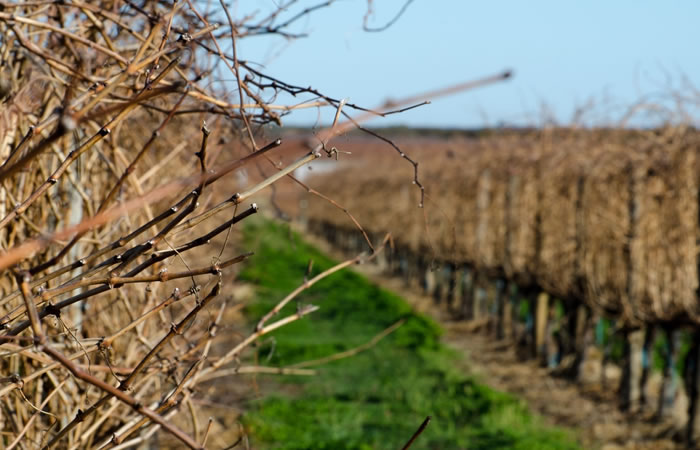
x,y
558,333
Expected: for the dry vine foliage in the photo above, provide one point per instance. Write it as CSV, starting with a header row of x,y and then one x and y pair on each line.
x,y
604,217
116,210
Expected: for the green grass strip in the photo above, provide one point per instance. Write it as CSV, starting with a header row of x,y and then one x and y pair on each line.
x,y
376,399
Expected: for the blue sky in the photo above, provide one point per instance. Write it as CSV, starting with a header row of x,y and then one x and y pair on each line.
x,y
600,55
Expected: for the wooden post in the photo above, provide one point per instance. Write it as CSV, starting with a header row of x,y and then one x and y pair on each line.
x,y
647,349
429,277
479,296
510,311
452,275
339,238
633,367
530,328
569,326
439,283
390,257
399,261
500,300
467,294
460,273
303,216
630,393
346,241
552,338
423,266
603,341
353,242
636,342
404,267
692,383
583,320
413,269
331,234
382,261
589,346
667,393
541,318
359,244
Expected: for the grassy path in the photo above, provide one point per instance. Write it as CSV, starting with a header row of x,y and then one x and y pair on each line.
x,y
376,399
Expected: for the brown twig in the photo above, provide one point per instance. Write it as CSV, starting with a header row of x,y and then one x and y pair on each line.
x,y
420,429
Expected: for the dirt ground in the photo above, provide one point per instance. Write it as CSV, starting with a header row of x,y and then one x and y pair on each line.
x,y
592,412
